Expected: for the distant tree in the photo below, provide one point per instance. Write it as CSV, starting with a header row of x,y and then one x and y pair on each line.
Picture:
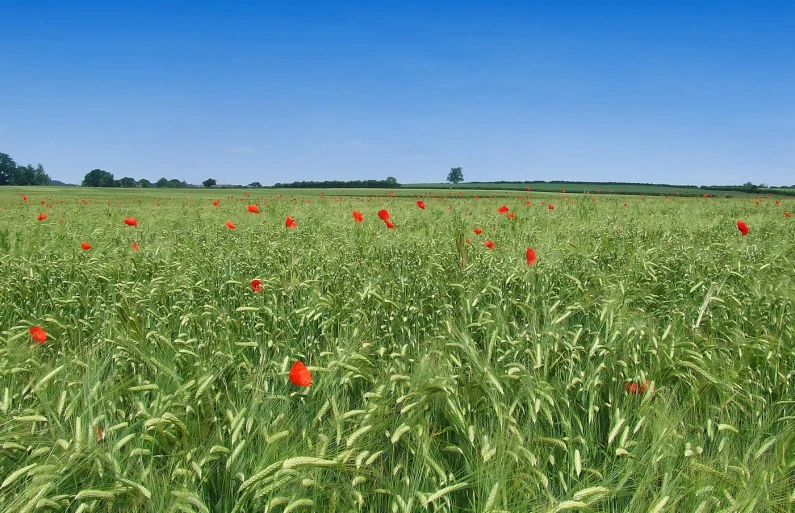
x,y
98,178
40,177
255,185
24,175
127,182
163,182
455,175
174,183
209,182
391,180
7,169
144,183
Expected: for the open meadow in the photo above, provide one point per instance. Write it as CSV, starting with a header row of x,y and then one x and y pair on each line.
x,y
644,362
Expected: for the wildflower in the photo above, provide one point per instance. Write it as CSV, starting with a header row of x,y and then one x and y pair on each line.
x,y
478,231
421,204
358,216
300,375
531,256
42,217
38,334
256,285
551,207
390,225
254,209
743,228
130,221
290,223
489,244
503,210
230,225
86,246
384,215
511,215
135,246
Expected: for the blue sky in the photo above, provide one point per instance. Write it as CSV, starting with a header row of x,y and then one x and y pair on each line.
x,y
675,92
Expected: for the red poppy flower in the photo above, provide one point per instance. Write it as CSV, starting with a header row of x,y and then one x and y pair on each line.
x,y
254,209
300,375
527,188
215,203
531,256
38,334
230,225
528,203
135,246
511,215
787,214
551,207
24,198
743,228
384,215
256,285
489,244
42,217
131,221
421,204
478,231
86,246
503,210
635,388
778,202
290,223
390,225
358,216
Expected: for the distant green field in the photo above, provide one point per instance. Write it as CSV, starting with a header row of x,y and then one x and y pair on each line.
x,y
579,188
644,362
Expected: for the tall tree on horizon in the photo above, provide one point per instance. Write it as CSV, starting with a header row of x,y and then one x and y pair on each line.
x,y
455,175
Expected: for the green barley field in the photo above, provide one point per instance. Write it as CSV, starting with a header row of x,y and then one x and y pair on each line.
x,y
644,363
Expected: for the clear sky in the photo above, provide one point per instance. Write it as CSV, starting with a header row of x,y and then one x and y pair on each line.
x,y
695,92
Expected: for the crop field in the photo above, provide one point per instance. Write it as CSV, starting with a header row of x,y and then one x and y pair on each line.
x,y
644,362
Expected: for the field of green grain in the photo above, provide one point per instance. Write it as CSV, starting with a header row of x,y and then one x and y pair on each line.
x,y
644,363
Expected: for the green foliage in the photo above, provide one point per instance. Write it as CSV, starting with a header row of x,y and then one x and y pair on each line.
x,y
98,178
209,182
455,176
447,377
13,174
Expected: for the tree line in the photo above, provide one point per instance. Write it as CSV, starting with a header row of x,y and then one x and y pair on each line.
x,y
102,178
12,173
389,183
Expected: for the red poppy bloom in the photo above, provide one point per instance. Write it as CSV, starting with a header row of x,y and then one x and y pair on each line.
x,y
551,207
478,231
86,246
625,205
421,204
300,375
527,188
42,217
511,215
743,228
390,225
528,203
256,285
290,223
489,244
635,388
503,210
778,202
135,246
531,256
131,221
358,216
254,209
230,225
24,198
215,203
787,214
38,334
384,215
